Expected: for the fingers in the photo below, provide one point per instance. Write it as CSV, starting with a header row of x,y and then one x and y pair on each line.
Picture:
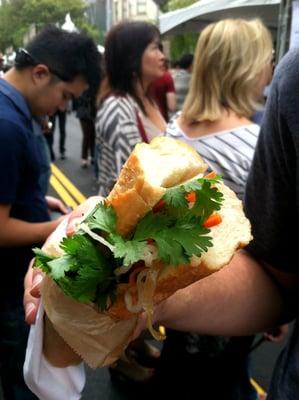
x,y
56,204
63,208
80,213
140,327
32,284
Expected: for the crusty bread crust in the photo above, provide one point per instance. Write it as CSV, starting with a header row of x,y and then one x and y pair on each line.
x,y
232,233
148,172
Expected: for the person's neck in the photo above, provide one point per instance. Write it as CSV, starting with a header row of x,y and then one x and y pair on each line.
x,y
16,79
228,120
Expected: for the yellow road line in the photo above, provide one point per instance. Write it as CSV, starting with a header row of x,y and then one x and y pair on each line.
x,y
257,387
63,194
74,192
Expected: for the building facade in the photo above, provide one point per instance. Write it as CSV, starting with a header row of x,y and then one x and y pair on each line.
x,y
145,10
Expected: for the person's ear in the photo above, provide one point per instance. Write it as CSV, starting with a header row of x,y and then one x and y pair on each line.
x,y
40,74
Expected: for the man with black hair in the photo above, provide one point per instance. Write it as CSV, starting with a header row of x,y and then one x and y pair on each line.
x,y
55,67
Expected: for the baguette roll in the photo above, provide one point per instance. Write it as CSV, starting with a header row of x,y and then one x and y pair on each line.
x,y
146,175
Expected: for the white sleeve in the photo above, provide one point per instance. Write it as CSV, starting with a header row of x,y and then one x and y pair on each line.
x,y
46,381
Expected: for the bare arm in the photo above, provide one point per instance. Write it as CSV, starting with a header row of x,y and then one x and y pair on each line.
x,y
171,101
16,232
240,299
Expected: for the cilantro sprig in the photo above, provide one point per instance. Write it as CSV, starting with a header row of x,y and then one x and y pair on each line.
x,y
86,270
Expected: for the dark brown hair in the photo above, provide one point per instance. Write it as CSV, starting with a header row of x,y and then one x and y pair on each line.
x,y
124,47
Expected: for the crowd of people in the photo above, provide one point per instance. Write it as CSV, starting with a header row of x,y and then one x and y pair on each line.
x,y
209,102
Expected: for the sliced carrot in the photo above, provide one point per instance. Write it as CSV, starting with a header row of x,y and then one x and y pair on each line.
x,y
159,206
133,275
212,220
191,197
211,175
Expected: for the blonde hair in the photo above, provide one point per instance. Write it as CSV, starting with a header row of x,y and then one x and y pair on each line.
x,y
230,58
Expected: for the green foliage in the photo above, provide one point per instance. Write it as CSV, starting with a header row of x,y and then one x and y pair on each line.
x,y
92,31
82,272
173,5
184,42
16,17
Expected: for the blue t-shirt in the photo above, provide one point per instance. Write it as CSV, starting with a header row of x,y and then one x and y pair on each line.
x,y
272,203
19,186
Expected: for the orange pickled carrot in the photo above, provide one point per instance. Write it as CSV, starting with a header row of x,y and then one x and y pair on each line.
x,y
212,220
191,197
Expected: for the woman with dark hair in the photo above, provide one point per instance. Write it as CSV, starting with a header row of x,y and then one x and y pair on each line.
x,y
127,114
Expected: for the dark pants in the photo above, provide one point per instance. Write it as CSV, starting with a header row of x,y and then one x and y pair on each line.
x,y
61,121
88,131
13,340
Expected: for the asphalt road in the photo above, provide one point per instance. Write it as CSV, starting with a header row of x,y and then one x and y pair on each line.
x,y
99,385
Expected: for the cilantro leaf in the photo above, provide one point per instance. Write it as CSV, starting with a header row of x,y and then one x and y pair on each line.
x,y
129,250
88,282
102,218
208,200
60,266
41,260
193,186
82,272
192,236
176,239
169,250
176,197
152,223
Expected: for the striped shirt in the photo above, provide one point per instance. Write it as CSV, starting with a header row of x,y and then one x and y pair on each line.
x,y
229,153
116,135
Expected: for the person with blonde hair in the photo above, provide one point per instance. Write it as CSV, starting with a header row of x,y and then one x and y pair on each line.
x,y
232,65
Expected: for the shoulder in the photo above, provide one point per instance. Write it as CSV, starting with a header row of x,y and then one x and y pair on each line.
x,y
10,129
253,129
117,107
173,129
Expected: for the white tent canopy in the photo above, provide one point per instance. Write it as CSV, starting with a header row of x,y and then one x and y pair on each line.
x,y
69,25
195,17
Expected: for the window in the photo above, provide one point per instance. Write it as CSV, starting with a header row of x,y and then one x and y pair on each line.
x,y
141,7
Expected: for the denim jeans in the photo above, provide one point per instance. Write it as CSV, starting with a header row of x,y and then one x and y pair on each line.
x,y
13,339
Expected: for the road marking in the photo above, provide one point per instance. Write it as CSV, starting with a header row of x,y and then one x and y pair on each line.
x,y
62,193
257,387
65,188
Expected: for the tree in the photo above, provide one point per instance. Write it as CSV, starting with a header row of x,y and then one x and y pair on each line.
x,y
16,17
183,42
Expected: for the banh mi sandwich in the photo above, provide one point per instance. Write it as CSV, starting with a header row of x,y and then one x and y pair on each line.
x,y
165,225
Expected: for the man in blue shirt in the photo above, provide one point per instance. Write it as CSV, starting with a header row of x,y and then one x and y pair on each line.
x,y
55,67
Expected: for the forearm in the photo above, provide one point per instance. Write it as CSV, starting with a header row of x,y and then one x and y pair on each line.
x,y
15,232
240,299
